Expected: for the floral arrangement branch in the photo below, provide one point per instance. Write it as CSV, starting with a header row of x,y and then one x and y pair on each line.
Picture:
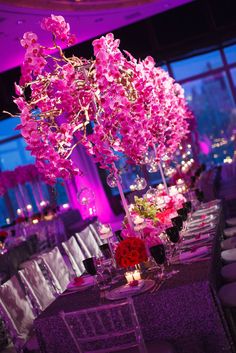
x,y
132,104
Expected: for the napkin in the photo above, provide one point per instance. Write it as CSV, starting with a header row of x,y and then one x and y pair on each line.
x,y
187,255
78,281
127,289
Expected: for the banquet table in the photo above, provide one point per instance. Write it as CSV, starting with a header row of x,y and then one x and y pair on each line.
x,y
10,260
184,311
49,233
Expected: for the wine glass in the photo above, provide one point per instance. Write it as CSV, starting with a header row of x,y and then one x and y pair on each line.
x,y
90,265
188,206
177,222
159,255
105,249
182,212
173,234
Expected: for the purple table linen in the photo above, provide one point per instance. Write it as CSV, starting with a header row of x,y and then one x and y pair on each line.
x,y
184,311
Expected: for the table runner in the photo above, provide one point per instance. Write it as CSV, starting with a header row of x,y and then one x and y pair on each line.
x,y
184,311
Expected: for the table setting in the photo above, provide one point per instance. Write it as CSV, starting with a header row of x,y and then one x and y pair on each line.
x,y
184,276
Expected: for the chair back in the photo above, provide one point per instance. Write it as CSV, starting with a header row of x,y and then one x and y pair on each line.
x,y
75,255
93,227
57,268
88,243
36,286
16,311
105,329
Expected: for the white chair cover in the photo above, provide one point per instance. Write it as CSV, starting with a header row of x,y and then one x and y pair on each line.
x,y
57,268
228,272
37,286
231,221
88,243
230,232
227,294
229,243
229,256
16,311
75,255
97,237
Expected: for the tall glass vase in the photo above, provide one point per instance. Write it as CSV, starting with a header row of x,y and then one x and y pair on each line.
x,y
122,195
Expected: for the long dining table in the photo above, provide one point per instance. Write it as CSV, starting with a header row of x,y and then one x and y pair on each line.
x,y
184,310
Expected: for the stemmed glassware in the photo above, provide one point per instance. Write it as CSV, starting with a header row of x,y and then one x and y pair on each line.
x,y
90,265
159,255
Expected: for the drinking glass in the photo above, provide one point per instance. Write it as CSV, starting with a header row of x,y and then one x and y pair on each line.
x,y
182,212
177,222
90,265
105,249
173,234
188,206
159,255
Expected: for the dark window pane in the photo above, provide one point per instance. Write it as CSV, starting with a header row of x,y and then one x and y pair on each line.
x,y
211,100
196,65
230,53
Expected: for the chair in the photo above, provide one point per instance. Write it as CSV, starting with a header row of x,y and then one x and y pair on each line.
x,y
88,243
36,286
57,268
93,228
18,315
228,272
229,243
231,221
108,328
230,232
227,295
229,256
75,255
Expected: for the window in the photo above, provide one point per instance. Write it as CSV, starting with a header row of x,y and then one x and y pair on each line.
x,y
196,65
7,128
230,53
13,154
213,105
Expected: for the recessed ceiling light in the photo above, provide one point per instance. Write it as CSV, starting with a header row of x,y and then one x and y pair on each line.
x,y
20,22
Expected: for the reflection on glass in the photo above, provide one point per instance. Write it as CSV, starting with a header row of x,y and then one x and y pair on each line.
x,y
211,100
196,65
230,53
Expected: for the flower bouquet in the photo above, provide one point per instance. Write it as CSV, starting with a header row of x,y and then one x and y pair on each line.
x,y
130,252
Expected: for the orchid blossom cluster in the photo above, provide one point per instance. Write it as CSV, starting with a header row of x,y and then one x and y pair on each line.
x,y
150,220
20,175
134,106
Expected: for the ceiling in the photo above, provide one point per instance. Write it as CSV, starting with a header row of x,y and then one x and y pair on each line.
x,y
87,18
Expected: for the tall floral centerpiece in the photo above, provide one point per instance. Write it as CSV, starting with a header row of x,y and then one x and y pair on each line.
x,y
133,105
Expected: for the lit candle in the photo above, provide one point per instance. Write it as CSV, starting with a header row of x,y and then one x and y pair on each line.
x,y
18,211
29,207
137,275
160,187
42,203
65,206
129,277
35,221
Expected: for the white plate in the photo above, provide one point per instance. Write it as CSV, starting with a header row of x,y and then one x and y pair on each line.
x,y
116,293
88,281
